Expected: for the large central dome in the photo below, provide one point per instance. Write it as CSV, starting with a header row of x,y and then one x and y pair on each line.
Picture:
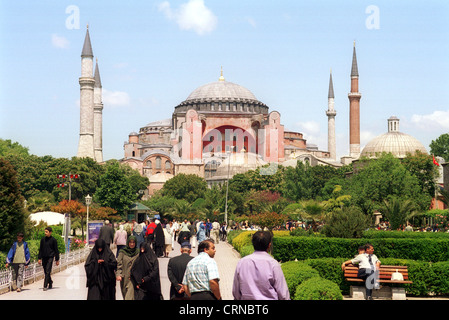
x,y
222,97
222,91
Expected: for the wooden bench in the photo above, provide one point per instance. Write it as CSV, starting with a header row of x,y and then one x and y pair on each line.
x,y
385,272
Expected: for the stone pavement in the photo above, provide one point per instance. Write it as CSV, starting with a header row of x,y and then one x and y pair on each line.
x,y
70,284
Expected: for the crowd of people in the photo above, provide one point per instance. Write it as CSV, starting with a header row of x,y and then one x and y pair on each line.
x,y
135,266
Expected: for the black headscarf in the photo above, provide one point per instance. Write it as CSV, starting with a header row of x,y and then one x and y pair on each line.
x,y
146,267
130,252
100,274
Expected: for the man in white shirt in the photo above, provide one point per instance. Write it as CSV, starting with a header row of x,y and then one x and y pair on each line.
x,y
369,265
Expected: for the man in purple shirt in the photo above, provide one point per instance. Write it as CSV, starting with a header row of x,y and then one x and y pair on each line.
x,y
259,276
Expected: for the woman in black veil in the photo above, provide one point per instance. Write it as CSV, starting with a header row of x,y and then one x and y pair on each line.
x,y
159,241
100,269
145,275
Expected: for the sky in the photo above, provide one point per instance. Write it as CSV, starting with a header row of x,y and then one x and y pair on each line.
x,y
153,54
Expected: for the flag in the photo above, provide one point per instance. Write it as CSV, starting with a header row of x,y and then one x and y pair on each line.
x,y
434,161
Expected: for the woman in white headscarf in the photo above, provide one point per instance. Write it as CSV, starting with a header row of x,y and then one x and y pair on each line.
x,y
120,238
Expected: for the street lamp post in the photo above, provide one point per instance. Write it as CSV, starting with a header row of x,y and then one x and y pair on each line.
x,y
227,187
88,202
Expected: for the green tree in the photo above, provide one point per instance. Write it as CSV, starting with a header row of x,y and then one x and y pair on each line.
x,y
422,167
7,147
185,186
348,222
440,146
377,180
12,212
115,191
298,182
398,211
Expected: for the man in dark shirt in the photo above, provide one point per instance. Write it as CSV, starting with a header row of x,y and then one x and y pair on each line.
x,y
48,250
107,233
176,269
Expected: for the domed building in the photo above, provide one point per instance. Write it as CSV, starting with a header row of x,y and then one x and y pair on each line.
x,y
219,130
394,142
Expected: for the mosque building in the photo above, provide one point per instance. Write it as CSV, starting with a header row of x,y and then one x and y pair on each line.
x,y
222,129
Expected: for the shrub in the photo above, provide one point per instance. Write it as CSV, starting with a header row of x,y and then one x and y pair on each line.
x,y
295,273
243,239
302,248
349,222
317,288
330,269
440,284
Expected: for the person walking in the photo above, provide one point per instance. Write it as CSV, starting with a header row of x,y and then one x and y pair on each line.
x,y
125,260
145,275
258,276
19,259
100,269
168,236
159,240
215,232
201,278
184,232
120,239
106,233
175,270
201,233
139,233
48,251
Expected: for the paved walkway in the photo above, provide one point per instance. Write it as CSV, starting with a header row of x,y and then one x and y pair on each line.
x,y
70,284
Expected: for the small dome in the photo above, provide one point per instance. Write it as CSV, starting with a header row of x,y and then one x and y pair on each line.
x,y
221,90
395,142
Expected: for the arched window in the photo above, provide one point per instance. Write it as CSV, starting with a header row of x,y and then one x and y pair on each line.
x,y
149,164
158,163
167,165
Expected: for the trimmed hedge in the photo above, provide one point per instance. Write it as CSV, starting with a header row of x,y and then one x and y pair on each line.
x,y
302,248
317,288
372,234
427,277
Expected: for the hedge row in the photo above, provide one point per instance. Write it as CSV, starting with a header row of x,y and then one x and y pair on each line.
x,y
428,278
372,234
302,248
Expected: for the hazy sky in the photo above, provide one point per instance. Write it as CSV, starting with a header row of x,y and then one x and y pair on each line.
x,y
153,54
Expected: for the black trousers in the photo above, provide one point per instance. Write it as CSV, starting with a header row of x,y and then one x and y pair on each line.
x,y
47,264
365,274
203,295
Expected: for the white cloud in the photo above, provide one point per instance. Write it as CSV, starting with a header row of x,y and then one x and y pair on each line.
x,y
309,127
193,15
59,41
251,21
436,120
115,98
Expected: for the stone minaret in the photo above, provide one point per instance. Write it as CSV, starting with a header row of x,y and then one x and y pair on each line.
x,y
331,113
87,82
98,116
354,110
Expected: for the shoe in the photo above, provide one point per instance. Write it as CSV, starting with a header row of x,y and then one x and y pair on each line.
x,y
45,289
50,285
18,290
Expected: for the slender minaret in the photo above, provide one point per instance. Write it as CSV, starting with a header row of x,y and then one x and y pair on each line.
x,y
331,113
86,81
98,116
354,110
